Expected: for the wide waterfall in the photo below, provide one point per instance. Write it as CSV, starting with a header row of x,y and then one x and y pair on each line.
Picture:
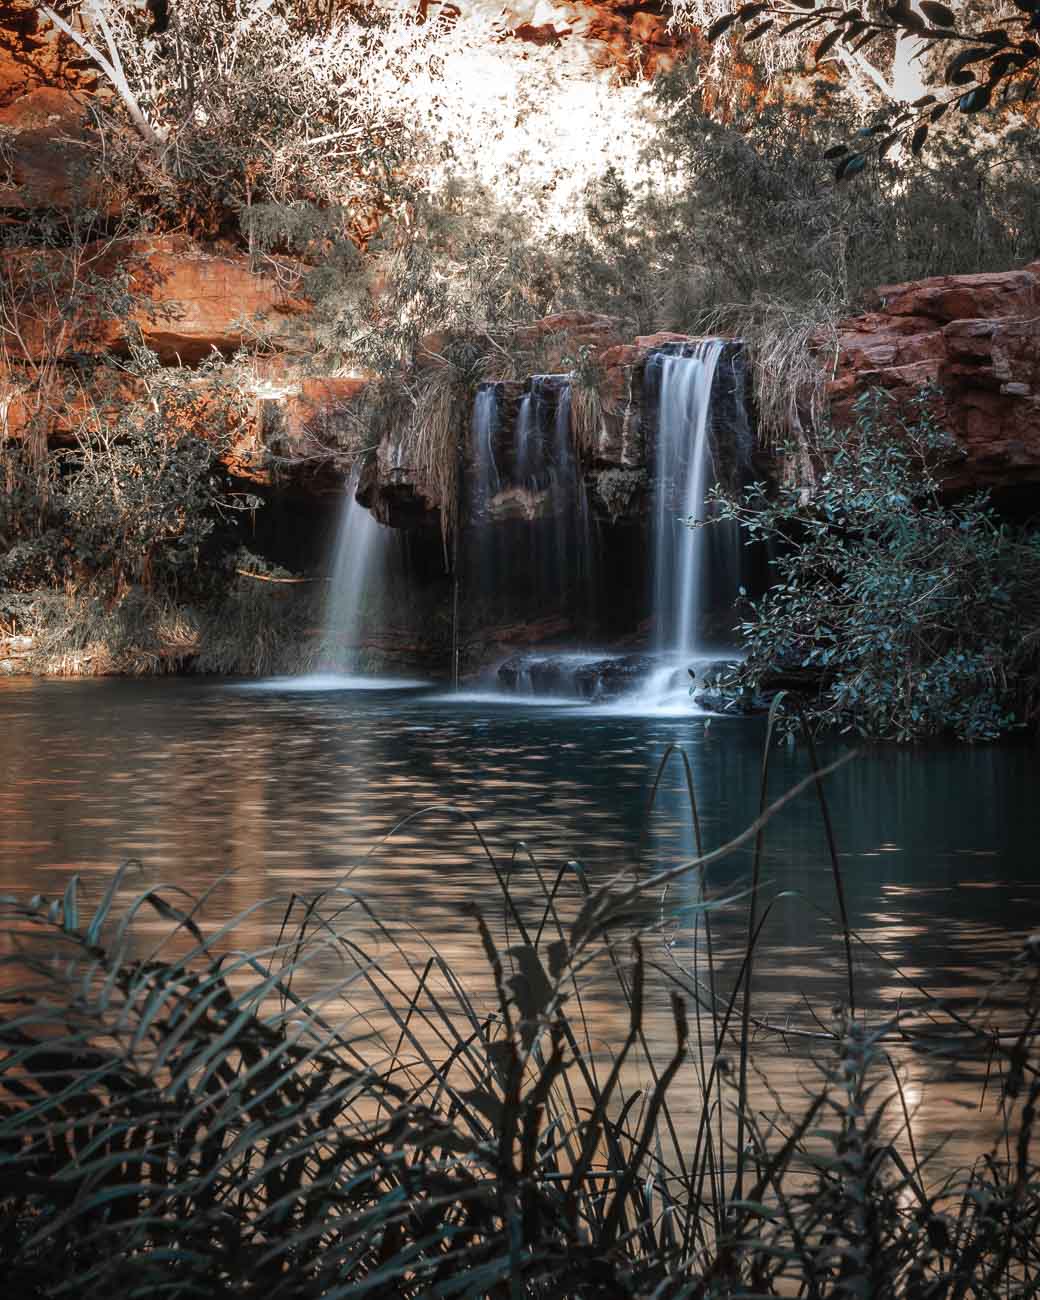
x,y
534,542
529,553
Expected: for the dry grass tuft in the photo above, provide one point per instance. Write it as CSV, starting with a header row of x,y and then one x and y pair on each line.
x,y
791,350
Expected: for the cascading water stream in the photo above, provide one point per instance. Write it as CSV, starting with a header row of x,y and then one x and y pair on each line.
x,y
358,558
526,502
693,397
681,580
356,580
684,471
483,429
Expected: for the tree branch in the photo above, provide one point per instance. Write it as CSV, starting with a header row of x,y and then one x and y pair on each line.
x,y
114,71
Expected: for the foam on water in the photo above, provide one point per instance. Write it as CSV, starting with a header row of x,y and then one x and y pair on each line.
x,y
318,682
509,700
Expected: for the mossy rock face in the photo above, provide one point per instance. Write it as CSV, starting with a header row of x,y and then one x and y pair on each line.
x,y
620,492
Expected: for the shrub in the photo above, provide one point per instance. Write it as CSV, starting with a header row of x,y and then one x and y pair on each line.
x,y
910,616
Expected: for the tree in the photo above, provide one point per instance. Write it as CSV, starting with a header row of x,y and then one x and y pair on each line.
x,y
241,103
985,55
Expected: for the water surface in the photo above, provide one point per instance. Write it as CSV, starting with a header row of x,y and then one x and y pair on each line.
x,y
258,794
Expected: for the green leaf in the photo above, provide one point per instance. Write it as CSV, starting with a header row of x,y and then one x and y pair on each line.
x,y
850,166
956,66
70,905
918,138
559,952
720,27
975,100
797,23
531,989
828,43
488,1104
938,13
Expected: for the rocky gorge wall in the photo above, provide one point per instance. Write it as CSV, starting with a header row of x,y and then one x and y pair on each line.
x,y
975,339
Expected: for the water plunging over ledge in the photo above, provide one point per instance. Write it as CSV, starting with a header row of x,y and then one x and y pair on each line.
x,y
683,474
691,567
695,413
529,544
357,577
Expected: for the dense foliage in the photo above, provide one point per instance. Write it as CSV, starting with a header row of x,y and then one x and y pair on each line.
x,y
431,189
980,55
905,617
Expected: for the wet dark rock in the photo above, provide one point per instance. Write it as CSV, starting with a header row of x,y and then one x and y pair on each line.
x,y
605,679
573,676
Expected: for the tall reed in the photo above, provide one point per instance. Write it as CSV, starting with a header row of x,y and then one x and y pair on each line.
x,y
344,1113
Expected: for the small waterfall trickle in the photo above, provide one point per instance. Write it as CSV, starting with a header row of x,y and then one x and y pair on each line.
x,y
526,442
359,563
484,427
357,580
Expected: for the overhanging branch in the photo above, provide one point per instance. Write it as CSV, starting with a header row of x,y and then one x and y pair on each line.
x,y
111,67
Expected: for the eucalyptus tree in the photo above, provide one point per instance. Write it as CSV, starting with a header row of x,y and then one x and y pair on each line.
x,y
912,61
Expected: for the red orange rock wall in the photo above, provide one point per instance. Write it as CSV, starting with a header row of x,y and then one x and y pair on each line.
x,y
976,338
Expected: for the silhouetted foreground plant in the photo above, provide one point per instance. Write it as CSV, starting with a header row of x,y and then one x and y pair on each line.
x,y
183,1122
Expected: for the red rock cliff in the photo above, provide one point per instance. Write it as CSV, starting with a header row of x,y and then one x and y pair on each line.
x,y
976,338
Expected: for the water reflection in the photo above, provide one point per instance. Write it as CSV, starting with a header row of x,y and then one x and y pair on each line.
x,y
253,795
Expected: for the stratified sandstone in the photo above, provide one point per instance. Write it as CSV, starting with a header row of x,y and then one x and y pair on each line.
x,y
975,339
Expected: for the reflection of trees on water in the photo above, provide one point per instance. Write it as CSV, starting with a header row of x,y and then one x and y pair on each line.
x,y
285,794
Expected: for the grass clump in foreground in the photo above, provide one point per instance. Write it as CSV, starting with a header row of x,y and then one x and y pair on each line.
x,y
184,1122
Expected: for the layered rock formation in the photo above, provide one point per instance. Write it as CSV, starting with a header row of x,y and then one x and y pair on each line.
x,y
185,304
975,339
611,420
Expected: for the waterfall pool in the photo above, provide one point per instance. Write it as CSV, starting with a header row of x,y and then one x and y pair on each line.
x,y
253,794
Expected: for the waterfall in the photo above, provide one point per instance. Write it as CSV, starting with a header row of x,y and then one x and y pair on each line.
x,y
527,453
483,429
684,472
356,576
573,543
528,553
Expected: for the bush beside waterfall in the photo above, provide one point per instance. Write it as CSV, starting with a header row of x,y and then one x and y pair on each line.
x,y
897,616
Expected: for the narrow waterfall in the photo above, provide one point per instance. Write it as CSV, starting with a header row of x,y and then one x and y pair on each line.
x,y
573,543
356,577
528,457
483,429
684,472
